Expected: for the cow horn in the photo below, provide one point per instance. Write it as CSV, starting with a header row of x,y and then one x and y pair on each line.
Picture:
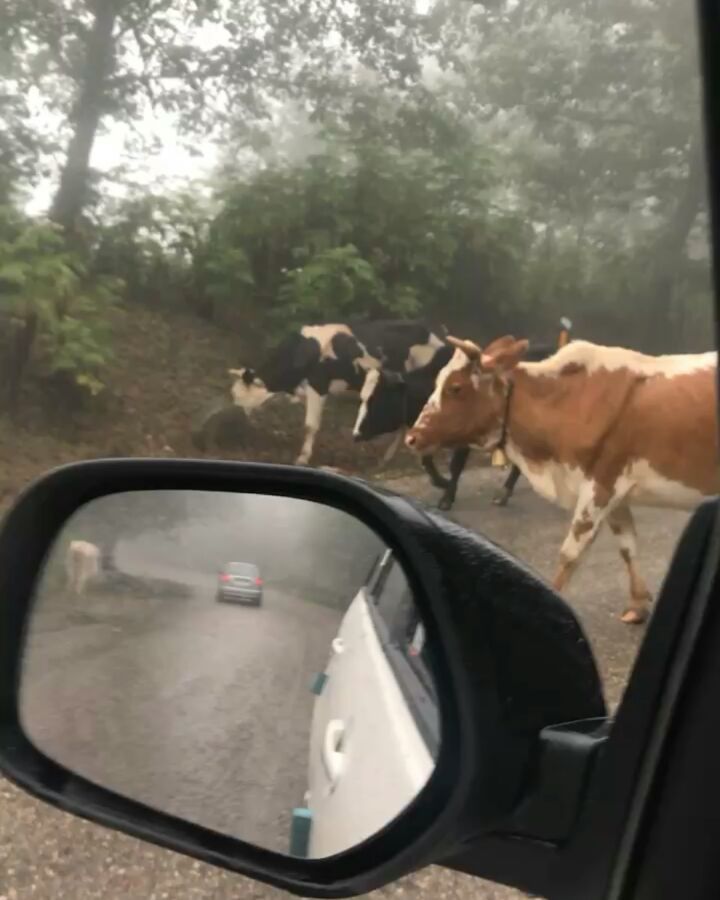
x,y
470,349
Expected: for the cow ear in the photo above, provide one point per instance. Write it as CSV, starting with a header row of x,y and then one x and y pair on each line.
x,y
347,347
503,355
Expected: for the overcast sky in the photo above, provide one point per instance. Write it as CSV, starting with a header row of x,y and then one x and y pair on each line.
x,y
165,162
169,165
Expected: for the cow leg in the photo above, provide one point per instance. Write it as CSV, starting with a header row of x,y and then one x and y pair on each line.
x,y
506,491
71,581
622,524
392,449
457,466
314,405
588,517
436,479
81,576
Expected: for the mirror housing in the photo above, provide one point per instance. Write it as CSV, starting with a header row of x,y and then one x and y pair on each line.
x,y
522,710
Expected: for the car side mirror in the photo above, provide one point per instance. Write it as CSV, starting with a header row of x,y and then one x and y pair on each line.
x,y
285,672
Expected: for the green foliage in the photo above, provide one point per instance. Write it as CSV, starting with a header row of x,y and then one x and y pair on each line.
x,y
75,337
153,245
223,276
370,226
46,290
496,164
334,283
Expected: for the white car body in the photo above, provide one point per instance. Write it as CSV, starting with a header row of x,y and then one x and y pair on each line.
x,y
368,757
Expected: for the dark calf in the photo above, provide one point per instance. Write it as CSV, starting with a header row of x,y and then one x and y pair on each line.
x,y
391,402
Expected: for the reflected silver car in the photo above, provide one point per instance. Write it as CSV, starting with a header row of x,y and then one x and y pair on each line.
x,y
240,582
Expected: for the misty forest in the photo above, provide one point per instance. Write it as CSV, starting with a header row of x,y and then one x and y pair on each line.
x,y
182,183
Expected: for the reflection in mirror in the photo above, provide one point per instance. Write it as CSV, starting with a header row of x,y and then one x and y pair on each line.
x,y
254,664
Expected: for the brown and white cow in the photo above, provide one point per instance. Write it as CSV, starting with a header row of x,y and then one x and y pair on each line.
x,y
594,429
82,564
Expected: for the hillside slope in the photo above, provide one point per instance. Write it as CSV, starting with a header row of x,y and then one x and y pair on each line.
x,y
169,369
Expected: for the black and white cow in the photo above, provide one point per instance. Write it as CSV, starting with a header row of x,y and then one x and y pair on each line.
x,y
390,402
319,360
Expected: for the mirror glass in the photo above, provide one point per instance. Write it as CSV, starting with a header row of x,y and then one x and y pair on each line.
x,y
254,664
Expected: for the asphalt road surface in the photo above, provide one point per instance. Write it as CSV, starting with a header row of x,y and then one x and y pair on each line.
x,y
202,709
242,673
533,530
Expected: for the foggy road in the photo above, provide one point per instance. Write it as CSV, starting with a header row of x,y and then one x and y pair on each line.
x,y
203,712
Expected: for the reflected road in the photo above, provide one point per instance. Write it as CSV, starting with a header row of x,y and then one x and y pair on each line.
x,y
202,709
203,712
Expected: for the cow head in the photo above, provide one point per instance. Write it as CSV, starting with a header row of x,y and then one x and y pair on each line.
x,y
382,405
248,391
467,406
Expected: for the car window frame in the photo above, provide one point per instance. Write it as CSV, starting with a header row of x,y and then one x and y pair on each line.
x,y
411,673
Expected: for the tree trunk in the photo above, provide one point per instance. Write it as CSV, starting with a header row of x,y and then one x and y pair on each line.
x,y
72,193
20,349
661,330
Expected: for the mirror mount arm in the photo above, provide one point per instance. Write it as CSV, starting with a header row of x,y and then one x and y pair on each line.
x,y
566,758
528,842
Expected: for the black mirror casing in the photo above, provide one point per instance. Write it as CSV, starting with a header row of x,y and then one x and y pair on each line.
x,y
511,663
